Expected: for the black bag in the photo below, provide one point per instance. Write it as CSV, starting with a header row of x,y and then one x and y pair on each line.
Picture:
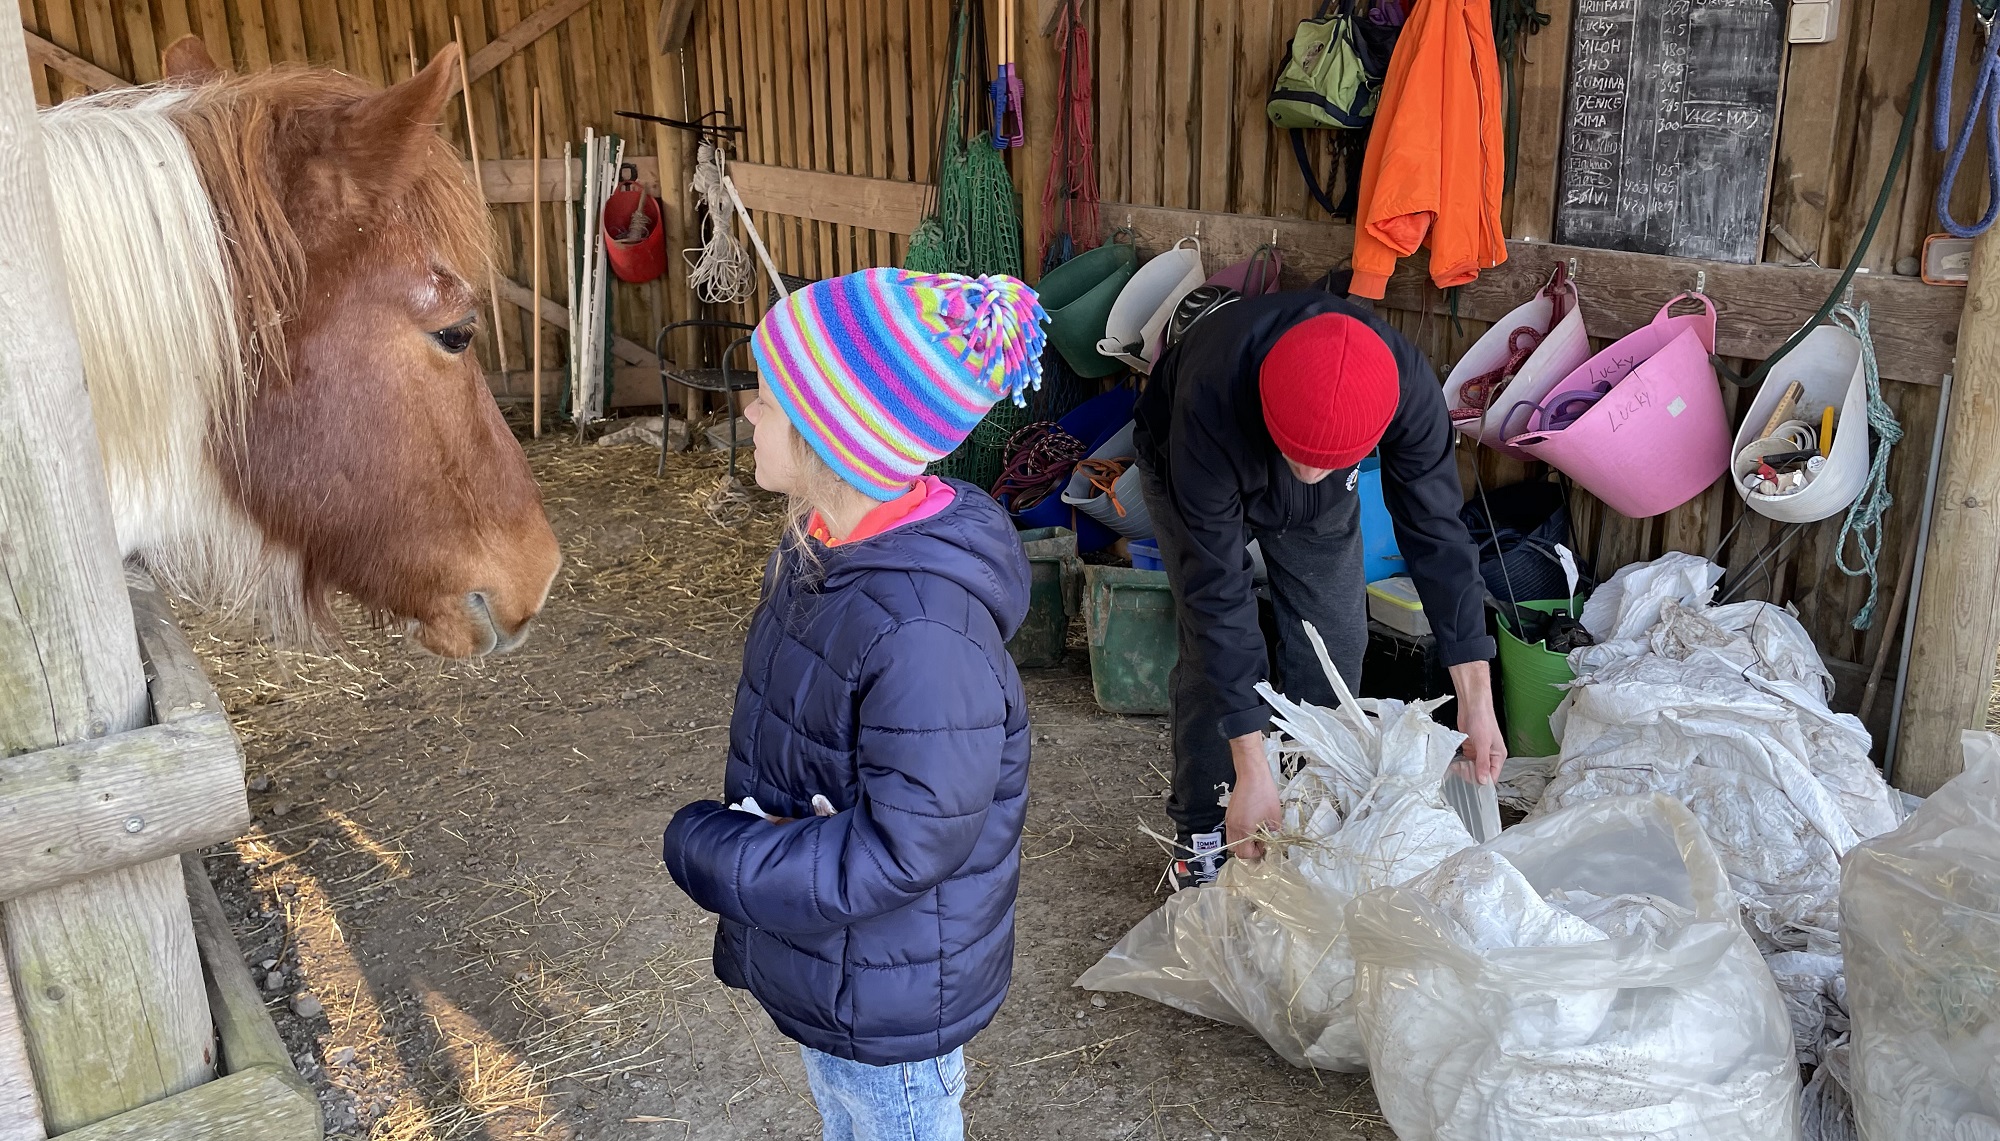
x,y
1517,548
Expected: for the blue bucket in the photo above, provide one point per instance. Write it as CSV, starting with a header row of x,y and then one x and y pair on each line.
x,y
1145,554
1379,557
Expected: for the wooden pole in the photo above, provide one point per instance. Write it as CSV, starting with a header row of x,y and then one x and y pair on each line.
x,y
472,149
535,224
1957,626
413,51
1889,621
111,1006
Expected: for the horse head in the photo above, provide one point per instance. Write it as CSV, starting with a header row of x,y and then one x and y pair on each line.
x,y
339,435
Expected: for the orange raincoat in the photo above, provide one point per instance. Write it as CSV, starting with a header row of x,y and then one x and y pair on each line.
x,y
1435,159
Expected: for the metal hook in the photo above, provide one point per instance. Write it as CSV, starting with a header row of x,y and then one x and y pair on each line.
x,y
1274,237
1847,298
1572,269
1701,282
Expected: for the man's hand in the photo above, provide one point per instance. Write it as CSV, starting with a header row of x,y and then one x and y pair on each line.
x,y
1484,749
1253,801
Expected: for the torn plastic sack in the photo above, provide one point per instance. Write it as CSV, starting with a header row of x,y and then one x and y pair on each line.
x,y
1923,956
1583,975
1265,946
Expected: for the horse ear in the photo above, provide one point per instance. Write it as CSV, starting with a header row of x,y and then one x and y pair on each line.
x,y
187,59
390,130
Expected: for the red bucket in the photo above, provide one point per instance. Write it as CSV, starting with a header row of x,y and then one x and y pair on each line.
x,y
645,259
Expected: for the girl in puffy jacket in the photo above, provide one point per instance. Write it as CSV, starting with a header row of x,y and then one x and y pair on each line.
x,y
866,863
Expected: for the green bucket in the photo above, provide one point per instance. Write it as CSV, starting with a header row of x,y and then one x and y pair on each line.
x,y
1054,596
1077,295
1134,639
1531,681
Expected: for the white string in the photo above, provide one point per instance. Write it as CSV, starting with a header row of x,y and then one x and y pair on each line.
x,y
719,269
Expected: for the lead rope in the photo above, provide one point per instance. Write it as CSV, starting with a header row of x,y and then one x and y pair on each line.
x,y
1984,110
1864,519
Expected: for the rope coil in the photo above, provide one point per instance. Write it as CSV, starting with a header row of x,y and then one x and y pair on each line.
x,y
719,269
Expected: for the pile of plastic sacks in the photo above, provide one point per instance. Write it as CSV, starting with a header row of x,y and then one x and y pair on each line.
x,y
1724,709
1265,946
1658,947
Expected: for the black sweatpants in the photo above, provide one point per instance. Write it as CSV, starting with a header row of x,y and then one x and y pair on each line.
x,y
1315,576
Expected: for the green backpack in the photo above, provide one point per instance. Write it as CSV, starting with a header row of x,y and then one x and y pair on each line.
x,y
1334,68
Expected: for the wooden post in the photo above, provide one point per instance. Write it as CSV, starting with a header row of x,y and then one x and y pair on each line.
x,y
1958,607
105,972
669,90
472,150
535,224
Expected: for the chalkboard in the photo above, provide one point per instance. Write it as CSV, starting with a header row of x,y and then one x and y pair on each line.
x,y
1671,112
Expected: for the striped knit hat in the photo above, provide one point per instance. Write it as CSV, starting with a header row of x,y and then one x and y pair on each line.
x,y
886,371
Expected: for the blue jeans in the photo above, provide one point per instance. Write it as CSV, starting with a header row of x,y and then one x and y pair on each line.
x,y
914,1101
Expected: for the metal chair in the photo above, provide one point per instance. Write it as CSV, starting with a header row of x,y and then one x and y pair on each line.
x,y
725,380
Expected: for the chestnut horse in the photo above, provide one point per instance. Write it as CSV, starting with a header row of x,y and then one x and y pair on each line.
x,y
271,277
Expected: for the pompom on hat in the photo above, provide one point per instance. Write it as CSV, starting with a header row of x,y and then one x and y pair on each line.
x,y
1329,385
885,371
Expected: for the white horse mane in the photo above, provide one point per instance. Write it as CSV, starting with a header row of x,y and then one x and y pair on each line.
x,y
151,291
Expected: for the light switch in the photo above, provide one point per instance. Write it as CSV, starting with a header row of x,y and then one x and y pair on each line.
x,y
1814,22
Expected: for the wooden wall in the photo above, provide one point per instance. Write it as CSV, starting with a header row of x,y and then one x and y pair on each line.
x,y
852,88
593,62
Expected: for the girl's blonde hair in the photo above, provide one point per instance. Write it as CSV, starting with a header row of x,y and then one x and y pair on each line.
x,y
816,492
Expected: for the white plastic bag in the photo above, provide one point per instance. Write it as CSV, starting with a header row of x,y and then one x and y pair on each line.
x,y
1725,710
1582,976
1265,946
1923,964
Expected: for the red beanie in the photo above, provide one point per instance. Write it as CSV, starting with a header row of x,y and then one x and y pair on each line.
x,y
1329,387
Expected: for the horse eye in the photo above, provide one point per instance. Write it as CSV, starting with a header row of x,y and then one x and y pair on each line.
x,y
454,339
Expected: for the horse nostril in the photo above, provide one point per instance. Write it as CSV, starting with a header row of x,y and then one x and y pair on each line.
x,y
502,639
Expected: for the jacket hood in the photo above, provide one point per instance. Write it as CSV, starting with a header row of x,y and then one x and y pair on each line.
x,y
972,542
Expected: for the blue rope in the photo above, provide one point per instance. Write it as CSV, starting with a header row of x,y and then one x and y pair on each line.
x,y
1864,519
1983,111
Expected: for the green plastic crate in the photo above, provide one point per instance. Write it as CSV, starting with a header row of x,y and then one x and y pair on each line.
x,y
1055,595
1134,643
1531,681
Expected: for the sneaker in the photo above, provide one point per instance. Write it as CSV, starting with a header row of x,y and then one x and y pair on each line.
x,y
1204,858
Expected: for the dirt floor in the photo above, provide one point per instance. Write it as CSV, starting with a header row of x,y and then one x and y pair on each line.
x,y
453,892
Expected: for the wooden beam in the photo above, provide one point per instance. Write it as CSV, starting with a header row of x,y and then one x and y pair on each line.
x,y
257,1104
671,32
1915,325
71,64
89,807
248,1037
511,180
109,997
1958,608
843,199
631,352
530,29
20,1110
1541,73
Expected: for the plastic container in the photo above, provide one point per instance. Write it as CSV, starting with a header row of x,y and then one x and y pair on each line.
x,y
1380,557
641,261
1827,364
1554,357
1124,508
1094,421
1531,681
1054,596
1659,436
1146,554
1137,324
1134,638
1078,296
1394,603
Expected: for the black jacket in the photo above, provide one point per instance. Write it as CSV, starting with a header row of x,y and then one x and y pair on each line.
x,y
1201,431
